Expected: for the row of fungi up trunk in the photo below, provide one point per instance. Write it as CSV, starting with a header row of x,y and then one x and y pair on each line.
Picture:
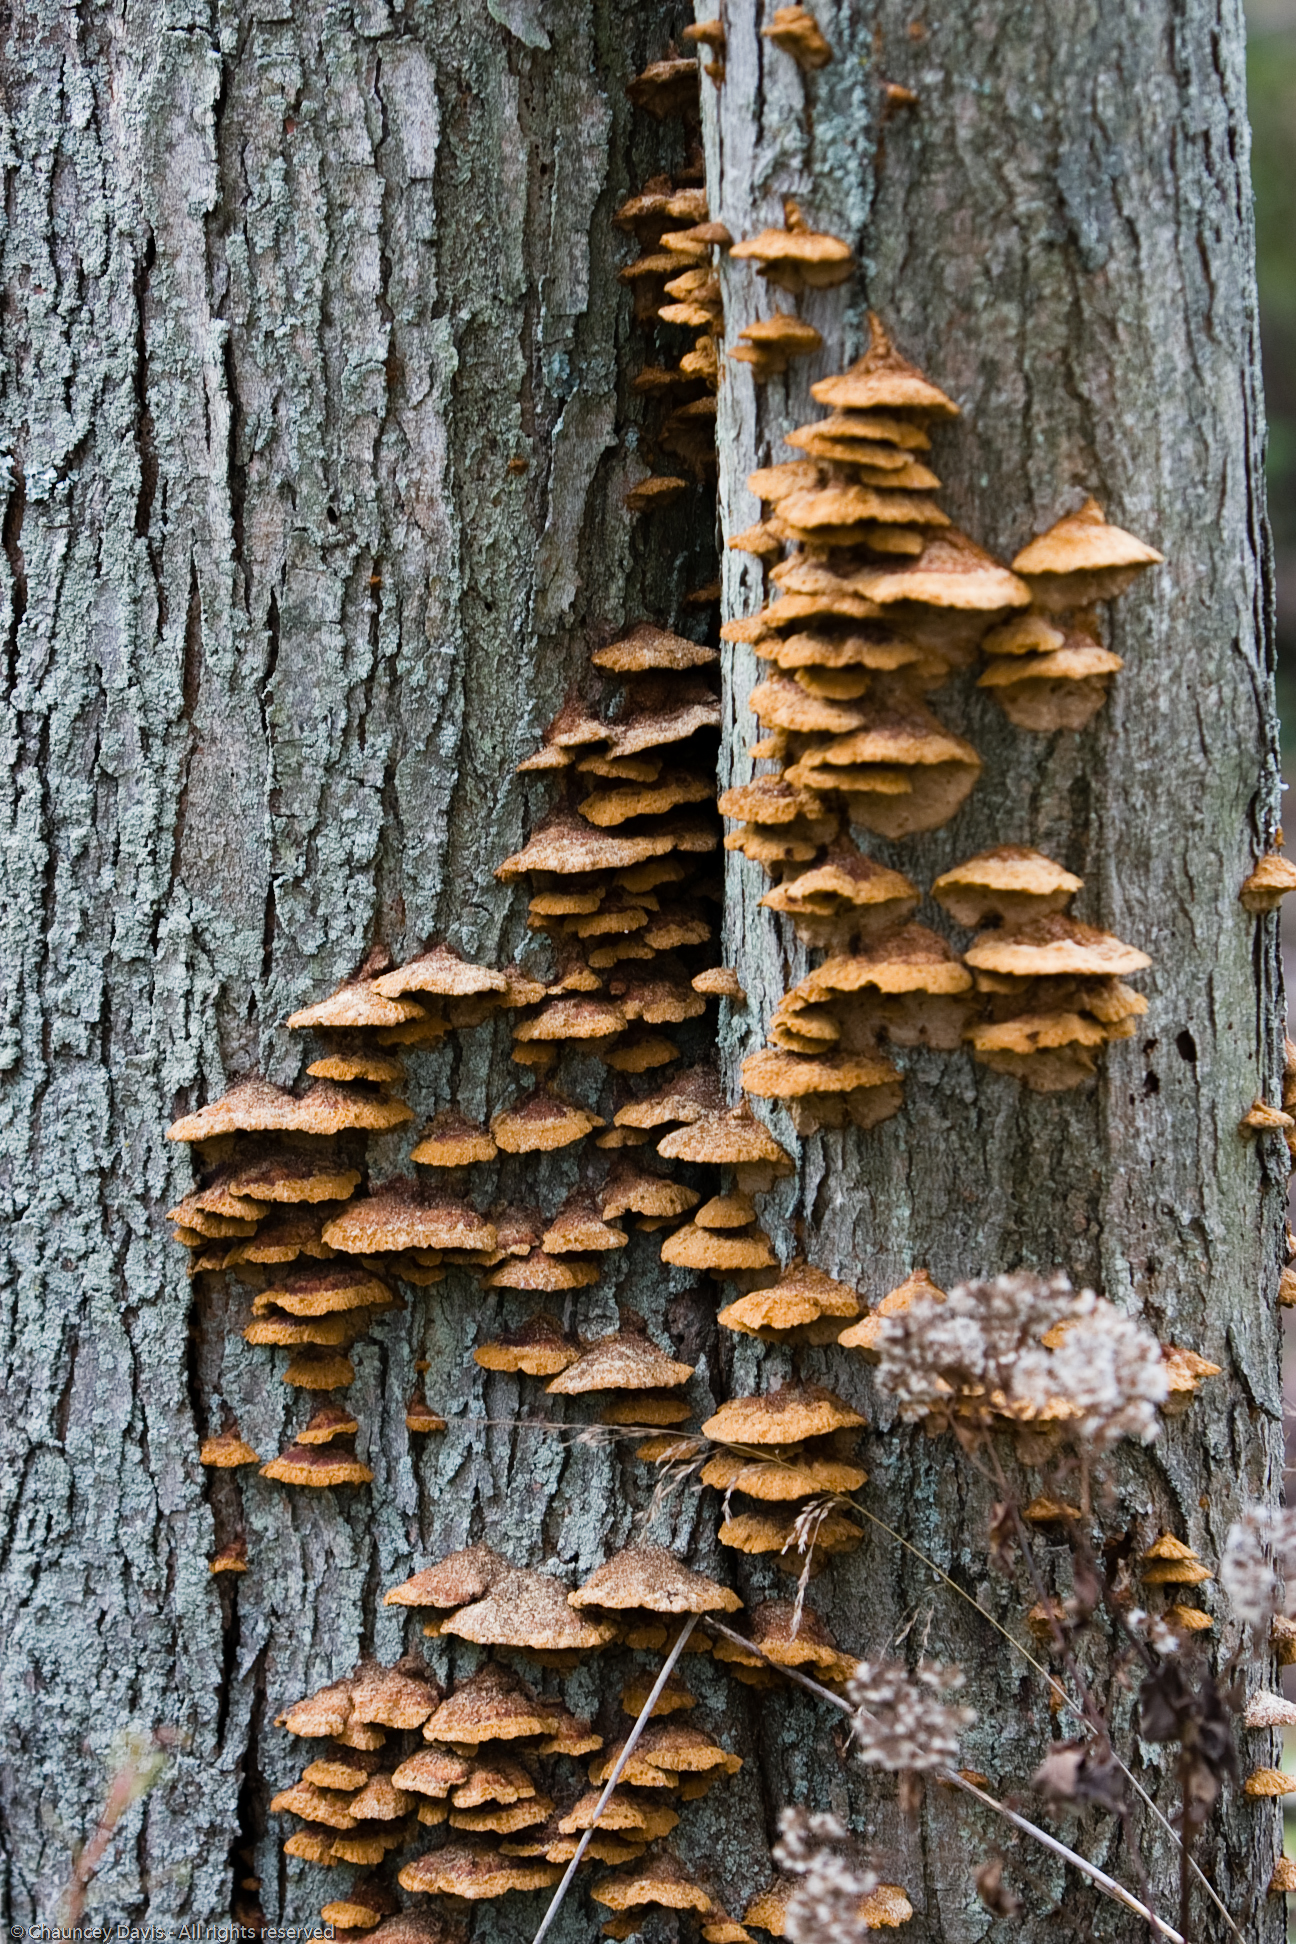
x,y
1036,994
494,1764
880,602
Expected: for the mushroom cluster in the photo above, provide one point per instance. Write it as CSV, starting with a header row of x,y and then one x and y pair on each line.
x,y
487,1763
1035,995
621,873
1047,668
280,1202
676,282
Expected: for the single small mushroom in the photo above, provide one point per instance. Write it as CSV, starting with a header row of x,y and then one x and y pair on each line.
x,y
420,1417
796,31
540,1123
1082,560
540,1347
319,1466
363,1907
1284,1876
651,1578
794,1472
662,1882
404,1214
804,1305
256,1106
1169,1562
328,1422
796,257
793,1636
451,1140
1261,1118
1011,882
867,1333
784,1416
626,1360
492,1705
1269,1782
770,343
1273,877
455,1581
673,1697
230,1559
474,1870
227,1450
764,1532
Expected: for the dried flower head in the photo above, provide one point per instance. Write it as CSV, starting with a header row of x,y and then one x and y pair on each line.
x,y
833,1879
1258,1564
978,1357
1107,1371
899,1722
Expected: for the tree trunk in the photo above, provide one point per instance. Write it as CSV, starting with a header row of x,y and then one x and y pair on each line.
x,y
317,409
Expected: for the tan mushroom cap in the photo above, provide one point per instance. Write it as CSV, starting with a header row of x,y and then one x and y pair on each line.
x,y
950,572
623,1812
1273,877
1010,879
573,1736
290,1175
454,1581
338,1331
674,1697
844,876
226,1451
628,1360
342,1768
771,341
1081,542
318,1466
694,1247
909,959
499,1780
765,1532
796,31
360,1909
632,1188
566,843
720,981
770,799
230,1559
476,1871
401,1214
794,1474
801,1296
441,971
785,1416
492,1705
328,1422
687,1096
528,1610
1284,1876
647,649
652,1578
331,1807
645,1407
381,1801
579,1225
608,808
503,1821
324,1289
540,1347
1054,944
906,736
543,1272
735,1138
866,1334
451,1140
883,378
1269,1782
432,1772
327,1712
541,1122
357,1002
288,1232
798,255
791,1637
726,1212
255,1105
774,1075
662,1881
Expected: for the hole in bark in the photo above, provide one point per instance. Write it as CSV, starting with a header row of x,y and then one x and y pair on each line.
x,y
1151,1084
1187,1047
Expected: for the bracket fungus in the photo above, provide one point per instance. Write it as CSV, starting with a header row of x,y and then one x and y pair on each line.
x,y
1046,678
1170,1562
1273,877
796,31
796,257
803,1306
793,1636
473,1870
865,1335
227,1451
769,344
1082,560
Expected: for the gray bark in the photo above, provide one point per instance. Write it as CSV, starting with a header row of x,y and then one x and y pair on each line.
x,y
285,288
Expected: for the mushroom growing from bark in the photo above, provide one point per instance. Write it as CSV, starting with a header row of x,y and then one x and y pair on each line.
x,y
1082,560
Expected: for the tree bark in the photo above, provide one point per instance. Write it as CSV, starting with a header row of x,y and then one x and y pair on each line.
x,y
287,285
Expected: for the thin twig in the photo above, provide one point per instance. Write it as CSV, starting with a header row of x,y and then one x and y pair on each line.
x,y
602,1803
952,1779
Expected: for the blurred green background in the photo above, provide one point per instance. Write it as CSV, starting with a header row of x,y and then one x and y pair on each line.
x,y
1271,84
